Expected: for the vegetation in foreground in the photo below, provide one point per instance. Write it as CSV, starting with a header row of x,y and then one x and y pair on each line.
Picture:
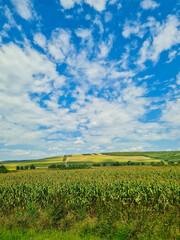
x,y
128,202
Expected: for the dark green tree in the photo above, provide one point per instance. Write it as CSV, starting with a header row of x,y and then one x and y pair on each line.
x,y
17,167
32,166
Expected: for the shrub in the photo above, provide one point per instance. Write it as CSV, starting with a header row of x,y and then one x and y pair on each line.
x,y
52,166
3,169
64,158
32,166
96,164
61,166
115,164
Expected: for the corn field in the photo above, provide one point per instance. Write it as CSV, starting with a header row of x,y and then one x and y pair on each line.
x,y
113,195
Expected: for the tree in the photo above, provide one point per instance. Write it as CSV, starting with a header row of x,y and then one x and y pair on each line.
x,y
22,168
32,166
3,169
17,167
52,166
26,167
64,158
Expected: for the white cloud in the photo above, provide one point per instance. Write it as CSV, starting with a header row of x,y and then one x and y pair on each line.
x,y
105,48
94,72
59,44
149,4
24,8
164,37
138,29
168,36
10,23
123,74
86,37
171,114
172,55
178,78
112,2
108,16
15,154
134,149
145,77
134,28
40,40
98,22
9,16
24,72
99,5
67,4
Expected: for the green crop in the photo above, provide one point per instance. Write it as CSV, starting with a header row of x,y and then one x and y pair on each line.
x,y
54,198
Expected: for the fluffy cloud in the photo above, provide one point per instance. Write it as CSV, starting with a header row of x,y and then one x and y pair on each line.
x,y
67,4
24,8
21,154
133,28
178,78
172,56
24,72
83,90
59,44
25,69
40,40
149,4
162,39
98,5
171,114
137,28
108,17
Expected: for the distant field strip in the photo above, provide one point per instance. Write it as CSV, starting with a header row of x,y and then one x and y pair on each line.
x,y
104,158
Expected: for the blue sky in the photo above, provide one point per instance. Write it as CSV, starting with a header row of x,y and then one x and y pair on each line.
x,y
85,76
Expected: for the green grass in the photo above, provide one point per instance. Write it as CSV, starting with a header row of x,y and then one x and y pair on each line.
x,y
20,234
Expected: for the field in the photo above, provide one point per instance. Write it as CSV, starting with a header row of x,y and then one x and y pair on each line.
x,y
108,158
126,202
80,159
173,156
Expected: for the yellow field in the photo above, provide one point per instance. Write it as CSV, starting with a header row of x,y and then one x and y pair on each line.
x,y
105,158
92,158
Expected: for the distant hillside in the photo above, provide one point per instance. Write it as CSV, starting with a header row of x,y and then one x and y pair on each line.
x,y
90,159
163,155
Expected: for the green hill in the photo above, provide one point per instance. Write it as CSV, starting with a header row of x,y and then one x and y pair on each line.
x,y
90,159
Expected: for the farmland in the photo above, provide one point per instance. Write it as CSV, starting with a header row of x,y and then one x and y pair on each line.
x,y
108,158
126,202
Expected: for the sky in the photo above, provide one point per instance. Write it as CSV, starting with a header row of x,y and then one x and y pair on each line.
x,y
88,76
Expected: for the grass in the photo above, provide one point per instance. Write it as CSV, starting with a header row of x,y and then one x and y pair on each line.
x,y
20,234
